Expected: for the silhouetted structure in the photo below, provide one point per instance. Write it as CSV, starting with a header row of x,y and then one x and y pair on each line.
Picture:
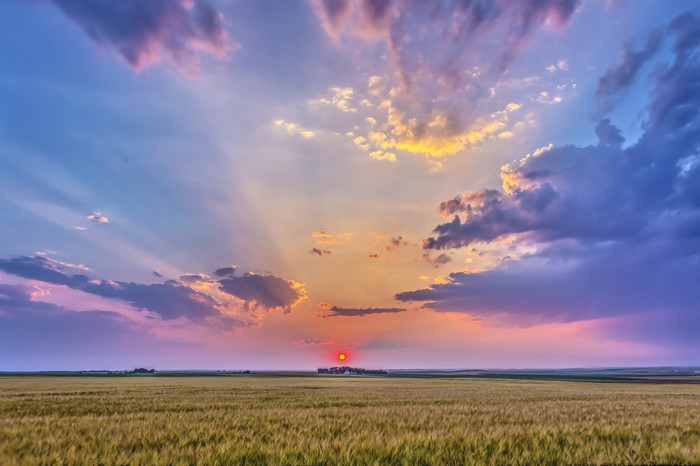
x,y
351,371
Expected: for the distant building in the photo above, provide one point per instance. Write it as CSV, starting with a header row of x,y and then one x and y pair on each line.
x,y
345,370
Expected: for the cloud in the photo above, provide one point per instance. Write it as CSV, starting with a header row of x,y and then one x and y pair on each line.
x,y
224,271
266,291
342,99
438,52
335,311
313,342
171,299
293,128
562,65
622,74
323,237
97,218
608,134
442,36
395,242
38,335
147,32
434,132
319,252
615,232
442,259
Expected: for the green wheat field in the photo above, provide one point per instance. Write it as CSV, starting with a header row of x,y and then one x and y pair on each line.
x,y
260,419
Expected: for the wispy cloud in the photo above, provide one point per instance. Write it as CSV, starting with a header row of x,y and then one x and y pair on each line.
x,y
96,217
335,311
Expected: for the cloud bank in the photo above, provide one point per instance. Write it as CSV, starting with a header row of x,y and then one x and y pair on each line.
x,y
194,297
616,231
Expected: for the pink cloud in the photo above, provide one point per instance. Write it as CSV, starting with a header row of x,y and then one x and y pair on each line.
x,y
147,32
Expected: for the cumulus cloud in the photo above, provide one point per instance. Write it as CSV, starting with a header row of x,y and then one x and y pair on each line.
x,y
147,32
335,311
431,130
266,291
616,231
437,50
97,218
293,128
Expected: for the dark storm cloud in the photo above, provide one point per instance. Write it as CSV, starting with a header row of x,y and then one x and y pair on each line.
x,y
335,311
617,230
268,291
143,31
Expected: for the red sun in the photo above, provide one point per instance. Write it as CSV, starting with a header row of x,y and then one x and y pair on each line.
x,y
342,356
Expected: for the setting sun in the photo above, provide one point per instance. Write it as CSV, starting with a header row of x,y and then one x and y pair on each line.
x,y
342,356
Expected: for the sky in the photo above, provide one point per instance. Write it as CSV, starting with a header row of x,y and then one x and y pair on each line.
x,y
263,185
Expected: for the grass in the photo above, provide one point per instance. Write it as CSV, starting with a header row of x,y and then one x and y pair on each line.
x,y
343,420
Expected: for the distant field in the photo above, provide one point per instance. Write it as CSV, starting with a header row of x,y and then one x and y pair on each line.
x,y
346,420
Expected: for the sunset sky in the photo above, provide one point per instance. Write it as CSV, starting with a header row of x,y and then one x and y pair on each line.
x,y
240,184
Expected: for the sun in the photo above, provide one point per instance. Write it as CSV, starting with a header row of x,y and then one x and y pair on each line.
x,y
342,356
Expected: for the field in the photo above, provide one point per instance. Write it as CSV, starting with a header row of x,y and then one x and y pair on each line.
x,y
345,420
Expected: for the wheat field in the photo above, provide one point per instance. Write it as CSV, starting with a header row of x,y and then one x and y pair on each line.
x,y
343,420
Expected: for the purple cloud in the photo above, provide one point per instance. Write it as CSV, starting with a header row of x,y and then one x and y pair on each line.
x,y
36,335
314,342
622,74
171,299
267,291
97,218
146,32
335,311
617,231
443,36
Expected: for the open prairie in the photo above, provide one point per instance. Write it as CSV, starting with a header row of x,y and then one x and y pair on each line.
x,y
344,420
